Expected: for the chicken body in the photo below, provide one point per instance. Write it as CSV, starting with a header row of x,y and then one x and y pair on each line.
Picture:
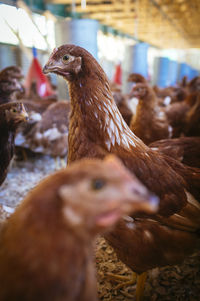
x,y
150,122
194,85
11,116
179,94
35,109
37,263
50,134
184,116
46,246
176,114
192,118
184,149
97,128
143,244
163,92
37,105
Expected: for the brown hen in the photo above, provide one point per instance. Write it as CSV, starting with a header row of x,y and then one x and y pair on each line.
x,y
11,116
96,129
46,246
150,122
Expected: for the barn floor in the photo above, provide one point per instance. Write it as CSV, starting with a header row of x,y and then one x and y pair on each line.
x,y
178,283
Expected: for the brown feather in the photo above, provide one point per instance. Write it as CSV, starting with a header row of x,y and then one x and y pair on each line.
x,y
184,149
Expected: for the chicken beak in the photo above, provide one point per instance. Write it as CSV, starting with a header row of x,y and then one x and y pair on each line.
x,y
46,69
147,205
49,67
139,199
24,115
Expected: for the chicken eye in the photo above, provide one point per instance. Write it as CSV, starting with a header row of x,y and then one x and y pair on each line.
x,y
14,111
98,184
65,58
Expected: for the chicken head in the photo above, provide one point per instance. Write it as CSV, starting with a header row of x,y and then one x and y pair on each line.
x,y
63,62
110,190
15,113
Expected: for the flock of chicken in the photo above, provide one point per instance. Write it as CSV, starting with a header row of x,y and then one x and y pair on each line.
x,y
148,199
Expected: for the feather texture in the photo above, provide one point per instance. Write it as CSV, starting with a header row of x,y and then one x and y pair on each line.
x,y
96,129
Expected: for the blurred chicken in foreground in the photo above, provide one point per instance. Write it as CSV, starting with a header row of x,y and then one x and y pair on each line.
x,y
46,247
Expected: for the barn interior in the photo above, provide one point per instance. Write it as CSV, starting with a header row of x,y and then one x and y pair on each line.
x,y
150,53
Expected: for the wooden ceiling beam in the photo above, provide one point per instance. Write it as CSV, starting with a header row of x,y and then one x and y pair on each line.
x,y
176,22
113,16
105,9
76,2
